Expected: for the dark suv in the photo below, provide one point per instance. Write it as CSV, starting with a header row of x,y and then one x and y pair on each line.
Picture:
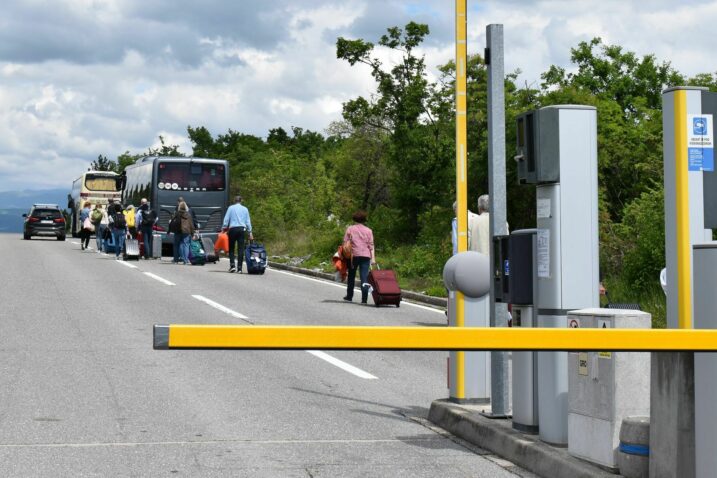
x,y
44,220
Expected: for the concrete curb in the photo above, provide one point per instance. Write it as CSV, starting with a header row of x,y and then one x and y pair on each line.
x,y
498,437
406,294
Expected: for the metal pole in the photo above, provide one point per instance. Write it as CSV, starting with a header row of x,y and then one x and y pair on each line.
x,y
461,183
684,246
500,403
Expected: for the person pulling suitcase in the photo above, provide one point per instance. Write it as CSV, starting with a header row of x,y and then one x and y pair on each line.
x,y
237,223
363,255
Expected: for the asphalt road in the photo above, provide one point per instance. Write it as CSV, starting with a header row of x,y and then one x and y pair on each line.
x,y
82,392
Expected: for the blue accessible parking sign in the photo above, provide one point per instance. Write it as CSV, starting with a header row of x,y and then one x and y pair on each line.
x,y
700,143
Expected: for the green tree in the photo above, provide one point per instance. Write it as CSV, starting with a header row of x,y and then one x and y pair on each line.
x,y
102,163
417,155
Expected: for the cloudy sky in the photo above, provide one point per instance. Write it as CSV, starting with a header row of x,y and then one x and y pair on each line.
x,y
80,78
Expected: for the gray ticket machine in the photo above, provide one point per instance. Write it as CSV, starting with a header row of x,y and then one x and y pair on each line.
x,y
518,282
557,151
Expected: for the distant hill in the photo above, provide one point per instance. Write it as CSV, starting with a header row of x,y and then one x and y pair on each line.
x,y
13,204
11,220
25,199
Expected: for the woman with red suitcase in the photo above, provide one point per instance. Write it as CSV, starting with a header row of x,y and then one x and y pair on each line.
x,y
363,255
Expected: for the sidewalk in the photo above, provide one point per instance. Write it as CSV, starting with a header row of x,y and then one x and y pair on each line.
x,y
498,436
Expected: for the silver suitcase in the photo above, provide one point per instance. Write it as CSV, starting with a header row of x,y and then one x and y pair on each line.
x,y
131,250
157,246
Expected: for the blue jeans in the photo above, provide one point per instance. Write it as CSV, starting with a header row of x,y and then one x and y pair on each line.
x,y
147,238
362,264
99,232
184,247
118,235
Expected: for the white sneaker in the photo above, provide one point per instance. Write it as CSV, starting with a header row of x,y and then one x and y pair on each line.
x,y
232,269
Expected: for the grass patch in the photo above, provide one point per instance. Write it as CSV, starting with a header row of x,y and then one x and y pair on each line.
x,y
651,299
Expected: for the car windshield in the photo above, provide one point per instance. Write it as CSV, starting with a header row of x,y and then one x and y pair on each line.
x,y
46,213
181,176
100,183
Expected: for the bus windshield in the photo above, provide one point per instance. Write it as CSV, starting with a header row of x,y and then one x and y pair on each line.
x,y
181,176
100,183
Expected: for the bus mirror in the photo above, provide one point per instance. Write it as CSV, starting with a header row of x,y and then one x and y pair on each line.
x,y
70,202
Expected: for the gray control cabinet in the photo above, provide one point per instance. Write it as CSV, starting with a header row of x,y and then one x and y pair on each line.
x,y
605,387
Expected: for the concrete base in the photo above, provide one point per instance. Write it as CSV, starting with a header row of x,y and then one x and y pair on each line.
x,y
672,415
498,437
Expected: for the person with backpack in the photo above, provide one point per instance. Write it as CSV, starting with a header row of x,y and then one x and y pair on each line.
x,y
85,226
186,230
237,222
118,224
146,218
129,217
97,216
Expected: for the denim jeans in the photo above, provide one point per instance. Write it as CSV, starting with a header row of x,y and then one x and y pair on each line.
x,y
99,232
184,247
147,238
119,235
362,264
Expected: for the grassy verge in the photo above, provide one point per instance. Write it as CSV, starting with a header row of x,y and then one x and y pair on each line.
x,y
651,300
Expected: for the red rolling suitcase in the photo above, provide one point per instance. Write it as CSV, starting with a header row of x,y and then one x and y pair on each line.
x,y
384,287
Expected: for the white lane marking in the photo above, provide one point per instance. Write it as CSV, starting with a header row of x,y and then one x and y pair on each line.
x,y
126,264
75,243
419,439
160,279
342,365
432,309
222,308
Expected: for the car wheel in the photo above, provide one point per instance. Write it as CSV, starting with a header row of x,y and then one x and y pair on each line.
x,y
61,238
26,236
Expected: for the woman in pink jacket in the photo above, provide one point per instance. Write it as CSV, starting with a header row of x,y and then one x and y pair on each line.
x,y
362,255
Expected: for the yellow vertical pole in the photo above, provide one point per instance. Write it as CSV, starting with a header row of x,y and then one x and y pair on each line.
x,y
461,168
684,246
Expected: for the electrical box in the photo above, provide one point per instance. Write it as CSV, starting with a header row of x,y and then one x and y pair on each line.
x,y
520,256
605,387
501,269
709,106
538,146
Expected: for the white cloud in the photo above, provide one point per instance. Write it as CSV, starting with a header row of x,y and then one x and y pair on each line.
x,y
89,77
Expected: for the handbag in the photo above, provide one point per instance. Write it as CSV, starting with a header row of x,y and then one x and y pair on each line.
x,y
346,249
87,224
222,243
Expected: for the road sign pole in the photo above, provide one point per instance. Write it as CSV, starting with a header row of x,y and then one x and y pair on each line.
x,y
500,401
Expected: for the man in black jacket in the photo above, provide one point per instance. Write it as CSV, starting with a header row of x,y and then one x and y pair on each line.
x,y
146,217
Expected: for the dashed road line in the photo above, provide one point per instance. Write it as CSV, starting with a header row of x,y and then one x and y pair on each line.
x,y
157,278
222,308
342,365
127,264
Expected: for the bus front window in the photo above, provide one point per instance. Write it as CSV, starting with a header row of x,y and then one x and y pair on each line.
x,y
191,176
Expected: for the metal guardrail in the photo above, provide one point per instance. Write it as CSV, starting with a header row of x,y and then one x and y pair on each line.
x,y
429,338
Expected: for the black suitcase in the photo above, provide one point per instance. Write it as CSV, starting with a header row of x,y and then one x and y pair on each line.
x,y
255,256
208,246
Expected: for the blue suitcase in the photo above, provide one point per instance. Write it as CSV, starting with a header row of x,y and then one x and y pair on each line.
x,y
255,256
